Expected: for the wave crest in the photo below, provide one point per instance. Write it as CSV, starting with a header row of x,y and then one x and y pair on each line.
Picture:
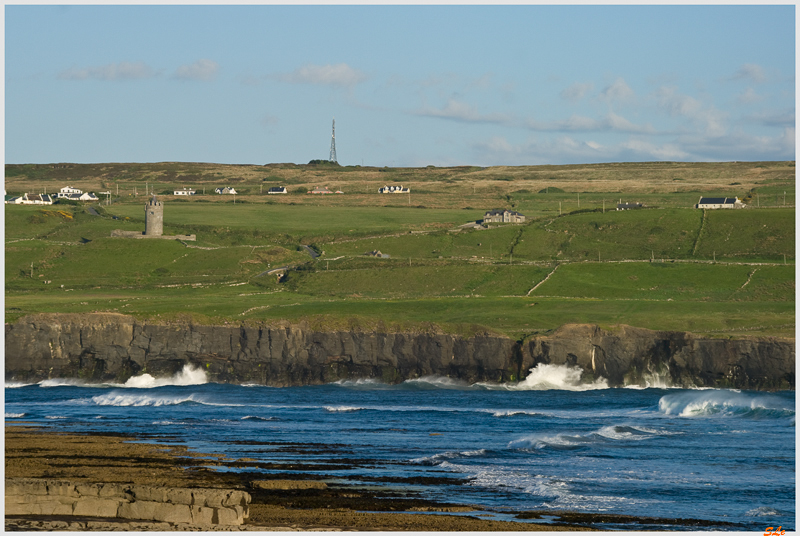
x,y
725,404
124,399
605,435
188,376
563,377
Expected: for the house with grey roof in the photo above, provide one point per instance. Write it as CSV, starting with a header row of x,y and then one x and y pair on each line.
x,y
503,216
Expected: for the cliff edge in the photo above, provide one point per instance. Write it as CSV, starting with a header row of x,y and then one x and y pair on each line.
x,y
113,347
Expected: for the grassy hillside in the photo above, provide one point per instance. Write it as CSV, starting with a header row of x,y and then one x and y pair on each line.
x,y
668,266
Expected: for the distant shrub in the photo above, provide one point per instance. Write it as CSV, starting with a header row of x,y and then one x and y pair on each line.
x,y
64,201
551,190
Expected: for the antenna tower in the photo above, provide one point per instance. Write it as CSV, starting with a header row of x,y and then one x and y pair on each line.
x,y
333,143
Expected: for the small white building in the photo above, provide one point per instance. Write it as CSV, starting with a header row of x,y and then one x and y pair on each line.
x,y
394,190
719,202
66,191
90,196
277,190
225,190
185,191
32,199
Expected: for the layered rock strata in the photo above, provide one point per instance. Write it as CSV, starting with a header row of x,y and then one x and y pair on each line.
x,y
112,347
198,507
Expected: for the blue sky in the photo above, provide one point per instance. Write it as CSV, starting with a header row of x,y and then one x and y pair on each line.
x,y
408,85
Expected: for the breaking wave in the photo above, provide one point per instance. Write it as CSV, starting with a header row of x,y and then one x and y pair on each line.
x,y
545,377
362,383
188,376
724,403
435,382
605,435
17,385
342,409
436,459
115,398
14,415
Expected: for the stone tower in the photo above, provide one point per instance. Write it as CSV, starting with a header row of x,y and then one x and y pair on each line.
x,y
154,217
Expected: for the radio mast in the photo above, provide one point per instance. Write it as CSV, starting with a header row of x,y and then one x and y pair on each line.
x,y
333,143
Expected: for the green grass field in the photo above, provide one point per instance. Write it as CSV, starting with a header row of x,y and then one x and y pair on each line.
x,y
671,267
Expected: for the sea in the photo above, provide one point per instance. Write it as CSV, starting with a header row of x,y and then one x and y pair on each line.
x,y
548,443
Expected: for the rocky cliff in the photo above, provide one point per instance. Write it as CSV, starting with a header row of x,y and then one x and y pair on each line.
x,y
111,347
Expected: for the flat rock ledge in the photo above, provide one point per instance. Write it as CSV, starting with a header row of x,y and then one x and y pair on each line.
x,y
169,507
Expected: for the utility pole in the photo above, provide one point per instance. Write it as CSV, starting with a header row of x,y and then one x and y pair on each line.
x,y
579,200
559,208
604,206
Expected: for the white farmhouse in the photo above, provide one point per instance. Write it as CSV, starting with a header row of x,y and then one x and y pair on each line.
x,y
719,202
394,190
185,191
67,191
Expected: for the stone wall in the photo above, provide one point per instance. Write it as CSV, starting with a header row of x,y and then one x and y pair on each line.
x,y
199,507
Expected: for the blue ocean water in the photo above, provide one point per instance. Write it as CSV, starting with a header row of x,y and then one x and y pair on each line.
x,y
549,442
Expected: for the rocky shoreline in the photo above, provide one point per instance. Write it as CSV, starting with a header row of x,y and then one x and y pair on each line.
x,y
114,347
103,468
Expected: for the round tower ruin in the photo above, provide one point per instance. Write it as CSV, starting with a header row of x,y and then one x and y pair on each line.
x,y
154,217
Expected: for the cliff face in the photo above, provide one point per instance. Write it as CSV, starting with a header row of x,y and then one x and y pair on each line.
x,y
110,347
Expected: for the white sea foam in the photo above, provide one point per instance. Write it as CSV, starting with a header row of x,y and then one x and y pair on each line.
x,y
66,382
342,409
361,383
116,398
17,385
602,435
188,376
545,377
512,412
256,418
762,511
450,455
723,403
14,415
552,491
436,382
55,417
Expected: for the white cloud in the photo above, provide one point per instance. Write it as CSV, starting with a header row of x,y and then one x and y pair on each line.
x,y
785,118
743,146
576,91
113,71
707,118
647,150
568,150
750,71
461,111
330,75
202,69
619,91
748,96
578,123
